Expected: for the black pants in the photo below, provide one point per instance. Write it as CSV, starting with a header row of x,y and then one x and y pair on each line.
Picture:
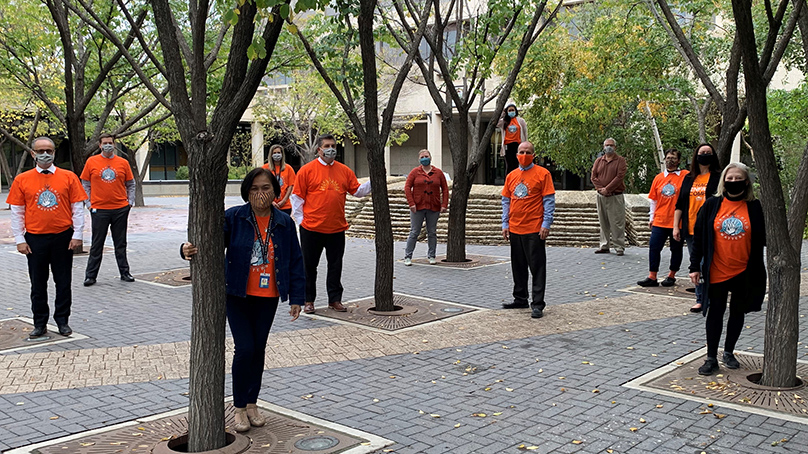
x,y
527,253
103,220
657,242
250,320
312,245
50,250
715,315
511,163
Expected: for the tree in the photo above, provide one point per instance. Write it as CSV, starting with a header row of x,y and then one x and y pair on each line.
x,y
457,72
784,228
190,51
606,72
334,58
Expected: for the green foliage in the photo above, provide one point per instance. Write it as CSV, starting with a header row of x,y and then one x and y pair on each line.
x,y
589,78
238,172
788,122
181,173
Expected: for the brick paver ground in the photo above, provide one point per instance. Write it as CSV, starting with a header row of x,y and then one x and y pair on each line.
x,y
533,379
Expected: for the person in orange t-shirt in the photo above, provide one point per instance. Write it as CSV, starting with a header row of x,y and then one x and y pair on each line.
x,y
285,175
110,185
528,205
663,196
318,206
47,221
514,131
729,238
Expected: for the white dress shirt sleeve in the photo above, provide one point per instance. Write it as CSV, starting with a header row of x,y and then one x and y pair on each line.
x,y
364,189
297,208
78,220
18,223
130,192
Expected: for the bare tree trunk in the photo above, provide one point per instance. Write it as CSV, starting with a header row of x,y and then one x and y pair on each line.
x,y
782,318
4,164
461,188
208,176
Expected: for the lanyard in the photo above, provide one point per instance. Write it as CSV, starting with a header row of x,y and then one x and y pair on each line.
x,y
264,243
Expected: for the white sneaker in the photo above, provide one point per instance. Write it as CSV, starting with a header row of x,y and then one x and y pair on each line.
x,y
407,262
432,261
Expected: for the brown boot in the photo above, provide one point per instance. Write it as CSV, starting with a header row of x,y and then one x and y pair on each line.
x,y
255,417
242,422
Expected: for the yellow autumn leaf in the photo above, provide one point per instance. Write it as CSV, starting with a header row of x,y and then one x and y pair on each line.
x,y
633,429
434,415
576,442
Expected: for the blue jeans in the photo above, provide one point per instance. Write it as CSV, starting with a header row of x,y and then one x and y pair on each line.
x,y
658,237
416,220
250,320
699,287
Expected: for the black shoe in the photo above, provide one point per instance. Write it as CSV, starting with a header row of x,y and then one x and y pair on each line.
x,y
601,251
620,253
65,330
669,282
648,282
38,332
537,313
696,309
516,305
730,361
709,367
89,281
126,277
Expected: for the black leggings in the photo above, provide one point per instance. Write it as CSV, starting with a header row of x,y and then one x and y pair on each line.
x,y
715,315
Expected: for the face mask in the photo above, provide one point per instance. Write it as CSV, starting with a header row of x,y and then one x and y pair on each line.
x,y
608,149
261,199
735,187
512,114
107,149
671,165
276,157
704,159
44,158
330,153
425,160
525,159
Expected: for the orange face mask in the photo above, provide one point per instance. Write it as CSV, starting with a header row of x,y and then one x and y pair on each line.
x,y
525,159
261,199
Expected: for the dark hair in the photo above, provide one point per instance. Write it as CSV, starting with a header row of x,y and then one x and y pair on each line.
x,y
106,135
247,183
505,110
324,137
673,151
694,163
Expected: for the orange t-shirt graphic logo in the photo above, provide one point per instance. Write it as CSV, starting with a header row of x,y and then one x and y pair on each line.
x,y
328,184
47,199
108,175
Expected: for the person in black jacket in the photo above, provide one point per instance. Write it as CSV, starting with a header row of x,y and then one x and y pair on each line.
x,y
728,258
699,185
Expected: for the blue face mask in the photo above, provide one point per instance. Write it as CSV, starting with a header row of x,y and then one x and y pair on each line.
x,y
512,114
425,160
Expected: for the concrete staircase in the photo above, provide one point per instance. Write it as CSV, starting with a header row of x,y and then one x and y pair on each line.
x,y
576,217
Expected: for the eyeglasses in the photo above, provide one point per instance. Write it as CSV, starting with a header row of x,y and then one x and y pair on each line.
x,y
46,150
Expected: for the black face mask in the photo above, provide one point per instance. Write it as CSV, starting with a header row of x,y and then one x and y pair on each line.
x,y
704,159
735,187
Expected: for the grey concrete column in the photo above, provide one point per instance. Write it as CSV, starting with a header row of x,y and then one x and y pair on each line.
x,y
434,138
257,143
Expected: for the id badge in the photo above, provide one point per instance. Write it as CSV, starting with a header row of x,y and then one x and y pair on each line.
x,y
263,282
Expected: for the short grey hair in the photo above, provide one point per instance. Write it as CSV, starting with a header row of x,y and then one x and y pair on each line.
x,y
611,139
750,192
33,142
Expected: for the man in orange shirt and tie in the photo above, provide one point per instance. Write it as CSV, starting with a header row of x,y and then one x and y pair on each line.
x,y
47,220
318,206
110,186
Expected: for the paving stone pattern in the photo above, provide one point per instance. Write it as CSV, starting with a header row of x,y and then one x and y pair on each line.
x,y
500,365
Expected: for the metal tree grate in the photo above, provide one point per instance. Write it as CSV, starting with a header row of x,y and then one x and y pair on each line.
x,y
175,278
472,261
678,291
733,386
414,311
14,335
281,434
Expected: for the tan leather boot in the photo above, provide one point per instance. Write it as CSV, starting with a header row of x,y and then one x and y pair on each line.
x,y
242,422
255,417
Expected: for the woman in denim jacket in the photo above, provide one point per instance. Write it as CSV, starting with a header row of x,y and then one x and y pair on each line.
x,y
264,265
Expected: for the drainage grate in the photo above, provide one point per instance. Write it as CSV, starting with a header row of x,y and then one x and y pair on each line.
x,y
281,434
733,386
412,311
175,278
472,261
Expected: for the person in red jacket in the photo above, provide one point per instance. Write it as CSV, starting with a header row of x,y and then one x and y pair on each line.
x,y
428,196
